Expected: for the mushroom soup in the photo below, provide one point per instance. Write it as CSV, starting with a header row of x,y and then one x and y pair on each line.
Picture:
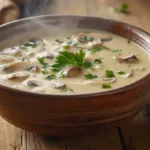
x,y
73,63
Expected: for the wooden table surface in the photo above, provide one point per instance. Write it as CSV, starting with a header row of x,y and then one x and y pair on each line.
x,y
134,135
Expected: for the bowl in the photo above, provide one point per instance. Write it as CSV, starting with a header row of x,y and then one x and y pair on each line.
x,y
68,115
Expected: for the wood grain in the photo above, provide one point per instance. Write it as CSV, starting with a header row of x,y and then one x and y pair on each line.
x,y
136,133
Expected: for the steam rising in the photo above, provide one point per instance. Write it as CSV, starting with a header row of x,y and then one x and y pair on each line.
x,y
35,7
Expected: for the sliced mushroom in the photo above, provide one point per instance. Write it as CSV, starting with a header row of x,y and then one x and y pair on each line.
x,y
33,83
73,71
129,58
102,80
19,66
57,85
107,39
12,51
96,44
50,56
6,58
81,37
17,76
32,67
128,74
36,43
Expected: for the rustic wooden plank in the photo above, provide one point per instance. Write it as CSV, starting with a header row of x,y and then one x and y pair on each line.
x,y
139,9
67,7
137,133
15,137
3,143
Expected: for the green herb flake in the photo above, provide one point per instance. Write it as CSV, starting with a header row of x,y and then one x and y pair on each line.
x,y
87,64
59,41
106,86
30,44
97,61
109,73
66,47
45,71
116,51
69,42
23,48
121,72
90,76
94,50
41,60
89,38
129,41
124,8
52,77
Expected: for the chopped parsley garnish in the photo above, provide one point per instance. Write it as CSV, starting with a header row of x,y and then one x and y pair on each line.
x,y
69,42
87,64
59,41
41,60
89,38
66,47
97,61
116,50
121,72
89,76
124,8
45,70
52,77
67,58
55,76
106,86
30,44
129,41
23,48
109,73
96,49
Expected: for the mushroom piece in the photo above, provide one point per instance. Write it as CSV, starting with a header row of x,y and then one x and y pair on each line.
x,y
128,74
35,43
107,39
72,71
12,51
129,58
103,80
19,66
96,44
81,37
32,67
57,85
33,83
50,56
17,76
6,58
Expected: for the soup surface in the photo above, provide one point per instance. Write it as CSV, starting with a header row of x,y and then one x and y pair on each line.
x,y
73,63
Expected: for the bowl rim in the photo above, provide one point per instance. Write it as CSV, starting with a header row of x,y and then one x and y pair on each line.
x,y
96,94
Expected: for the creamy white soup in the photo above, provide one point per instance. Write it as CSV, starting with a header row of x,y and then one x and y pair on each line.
x,y
73,63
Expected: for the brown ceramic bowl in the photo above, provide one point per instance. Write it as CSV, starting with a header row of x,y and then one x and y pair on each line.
x,y
65,115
